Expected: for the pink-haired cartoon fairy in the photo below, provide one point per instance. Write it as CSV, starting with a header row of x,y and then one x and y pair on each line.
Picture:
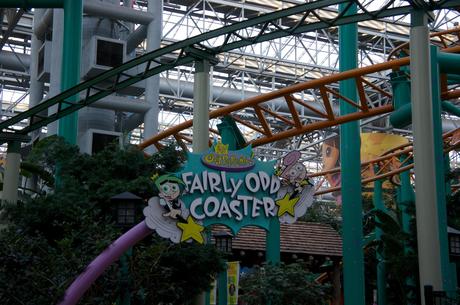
x,y
293,172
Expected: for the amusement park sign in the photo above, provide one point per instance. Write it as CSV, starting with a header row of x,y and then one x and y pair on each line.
x,y
230,188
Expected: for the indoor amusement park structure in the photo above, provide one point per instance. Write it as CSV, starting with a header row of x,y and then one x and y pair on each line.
x,y
423,77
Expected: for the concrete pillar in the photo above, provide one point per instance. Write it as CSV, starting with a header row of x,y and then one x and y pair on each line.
x,y
11,177
425,172
201,107
152,84
36,87
201,96
56,64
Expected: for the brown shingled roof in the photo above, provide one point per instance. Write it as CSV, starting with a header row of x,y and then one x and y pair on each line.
x,y
300,237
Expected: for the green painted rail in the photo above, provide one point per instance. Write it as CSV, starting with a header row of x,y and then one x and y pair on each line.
x,y
188,50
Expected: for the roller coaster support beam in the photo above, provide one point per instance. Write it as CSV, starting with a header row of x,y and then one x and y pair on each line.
x,y
401,117
452,266
449,63
73,14
93,90
381,268
405,200
424,156
353,257
71,53
401,99
406,195
448,283
273,241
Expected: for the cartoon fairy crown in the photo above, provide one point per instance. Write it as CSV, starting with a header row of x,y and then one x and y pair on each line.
x,y
221,148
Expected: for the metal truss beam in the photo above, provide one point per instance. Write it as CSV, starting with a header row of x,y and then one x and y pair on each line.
x,y
12,22
269,27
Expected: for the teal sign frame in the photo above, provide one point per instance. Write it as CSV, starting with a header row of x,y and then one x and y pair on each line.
x,y
231,188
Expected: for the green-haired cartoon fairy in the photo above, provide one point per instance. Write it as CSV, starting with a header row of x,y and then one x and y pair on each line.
x,y
170,188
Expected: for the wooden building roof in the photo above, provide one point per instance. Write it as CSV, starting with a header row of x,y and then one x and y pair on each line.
x,y
300,237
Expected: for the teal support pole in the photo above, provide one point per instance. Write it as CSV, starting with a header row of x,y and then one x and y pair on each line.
x,y
222,288
448,107
32,3
401,117
405,202
230,133
407,197
401,88
448,282
400,83
448,62
453,79
381,268
273,241
125,280
353,258
73,14
452,266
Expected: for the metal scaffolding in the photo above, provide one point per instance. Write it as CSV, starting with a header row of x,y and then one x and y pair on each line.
x,y
241,72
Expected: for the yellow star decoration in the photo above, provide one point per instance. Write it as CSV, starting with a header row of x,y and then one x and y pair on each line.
x,y
286,205
191,230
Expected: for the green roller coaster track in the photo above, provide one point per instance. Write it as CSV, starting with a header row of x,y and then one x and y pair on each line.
x,y
191,49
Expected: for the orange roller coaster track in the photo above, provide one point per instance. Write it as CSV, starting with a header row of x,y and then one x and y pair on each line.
x,y
254,113
444,40
262,117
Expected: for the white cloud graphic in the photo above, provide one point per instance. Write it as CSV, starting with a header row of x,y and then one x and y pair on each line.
x,y
165,226
305,201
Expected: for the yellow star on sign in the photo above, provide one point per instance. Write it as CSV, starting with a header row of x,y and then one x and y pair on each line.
x,y
191,230
286,205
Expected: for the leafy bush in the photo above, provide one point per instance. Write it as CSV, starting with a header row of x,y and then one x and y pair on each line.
x,y
282,284
52,237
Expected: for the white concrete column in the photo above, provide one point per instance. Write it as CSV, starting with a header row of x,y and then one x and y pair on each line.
x,y
152,84
11,177
201,94
56,63
425,175
36,87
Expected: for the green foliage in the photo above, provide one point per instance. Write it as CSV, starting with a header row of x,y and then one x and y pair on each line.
x,y
397,249
175,273
325,212
282,284
51,238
